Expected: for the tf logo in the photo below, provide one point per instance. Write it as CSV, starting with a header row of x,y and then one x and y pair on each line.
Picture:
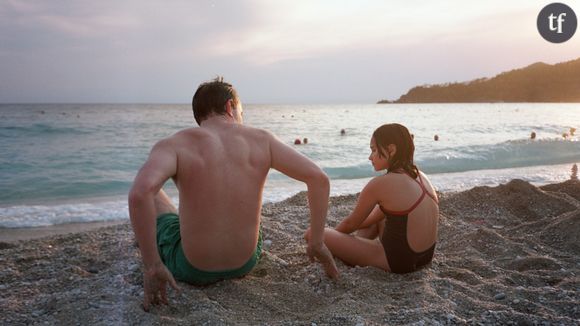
x,y
557,22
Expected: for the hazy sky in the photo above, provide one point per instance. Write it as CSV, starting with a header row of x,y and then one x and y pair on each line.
x,y
294,51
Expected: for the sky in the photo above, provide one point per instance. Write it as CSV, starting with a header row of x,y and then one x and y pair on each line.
x,y
273,52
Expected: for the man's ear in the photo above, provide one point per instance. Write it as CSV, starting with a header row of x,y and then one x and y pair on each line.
x,y
230,108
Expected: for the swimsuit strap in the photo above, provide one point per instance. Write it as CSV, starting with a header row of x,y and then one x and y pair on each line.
x,y
407,211
423,192
425,189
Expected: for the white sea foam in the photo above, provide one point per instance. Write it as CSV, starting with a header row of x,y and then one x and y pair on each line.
x,y
45,215
53,153
275,190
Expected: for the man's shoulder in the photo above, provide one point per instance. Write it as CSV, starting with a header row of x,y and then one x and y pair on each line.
x,y
181,136
190,133
192,136
256,131
201,135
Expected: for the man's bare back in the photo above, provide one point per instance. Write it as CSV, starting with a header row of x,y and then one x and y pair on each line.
x,y
220,170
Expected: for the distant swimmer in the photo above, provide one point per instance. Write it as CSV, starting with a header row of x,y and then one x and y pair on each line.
x,y
297,141
342,132
436,138
533,135
305,141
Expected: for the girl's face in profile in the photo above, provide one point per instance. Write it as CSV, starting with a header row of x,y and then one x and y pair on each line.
x,y
379,162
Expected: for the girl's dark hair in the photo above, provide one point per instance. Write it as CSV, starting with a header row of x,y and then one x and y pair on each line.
x,y
211,97
399,136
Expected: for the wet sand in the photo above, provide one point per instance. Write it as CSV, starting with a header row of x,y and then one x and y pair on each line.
x,y
506,255
17,234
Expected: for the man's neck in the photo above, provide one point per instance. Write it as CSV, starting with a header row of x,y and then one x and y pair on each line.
x,y
217,120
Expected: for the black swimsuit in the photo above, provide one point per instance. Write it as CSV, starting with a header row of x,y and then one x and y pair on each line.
x,y
401,258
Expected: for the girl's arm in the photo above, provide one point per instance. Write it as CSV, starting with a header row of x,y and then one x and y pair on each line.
x,y
374,217
367,200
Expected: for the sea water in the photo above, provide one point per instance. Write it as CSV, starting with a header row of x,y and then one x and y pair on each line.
x,y
64,163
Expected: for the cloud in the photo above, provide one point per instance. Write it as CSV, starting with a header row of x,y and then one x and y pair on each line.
x,y
294,30
361,48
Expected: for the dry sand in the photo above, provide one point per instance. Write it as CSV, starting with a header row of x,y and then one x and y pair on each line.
x,y
506,255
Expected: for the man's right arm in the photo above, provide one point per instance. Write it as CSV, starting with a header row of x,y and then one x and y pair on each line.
x,y
160,166
297,166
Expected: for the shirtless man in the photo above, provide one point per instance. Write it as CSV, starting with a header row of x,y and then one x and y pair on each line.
x,y
219,169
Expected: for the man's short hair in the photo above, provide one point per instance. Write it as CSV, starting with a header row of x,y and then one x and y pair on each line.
x,y
211,97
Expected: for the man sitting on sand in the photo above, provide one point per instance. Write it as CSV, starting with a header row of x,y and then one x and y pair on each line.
x,y
219,169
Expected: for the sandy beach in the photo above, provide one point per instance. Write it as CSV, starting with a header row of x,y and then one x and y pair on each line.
x,y
506,255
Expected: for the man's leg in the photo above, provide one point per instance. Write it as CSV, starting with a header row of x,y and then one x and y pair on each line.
x,y
168,236
163,204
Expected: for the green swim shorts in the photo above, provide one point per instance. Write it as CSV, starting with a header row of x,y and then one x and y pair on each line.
x,y
171,252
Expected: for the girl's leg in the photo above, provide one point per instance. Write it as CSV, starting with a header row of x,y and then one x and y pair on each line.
x,y
373,225
371,232
355,250
380,228
163,203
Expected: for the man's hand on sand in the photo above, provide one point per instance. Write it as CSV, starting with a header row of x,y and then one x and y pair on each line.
x,y
324,256
155,279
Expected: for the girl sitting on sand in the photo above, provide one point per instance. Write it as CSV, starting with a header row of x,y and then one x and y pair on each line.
x,y
395,219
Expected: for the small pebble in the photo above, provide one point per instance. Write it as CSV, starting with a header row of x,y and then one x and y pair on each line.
x,y
516,301
542,299
499,296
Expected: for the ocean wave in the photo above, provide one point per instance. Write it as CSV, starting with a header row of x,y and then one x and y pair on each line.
x,y
44,188
510,154
363,170
116,208
39,130
23,216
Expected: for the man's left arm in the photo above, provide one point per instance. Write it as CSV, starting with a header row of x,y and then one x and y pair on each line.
x,y
299,167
